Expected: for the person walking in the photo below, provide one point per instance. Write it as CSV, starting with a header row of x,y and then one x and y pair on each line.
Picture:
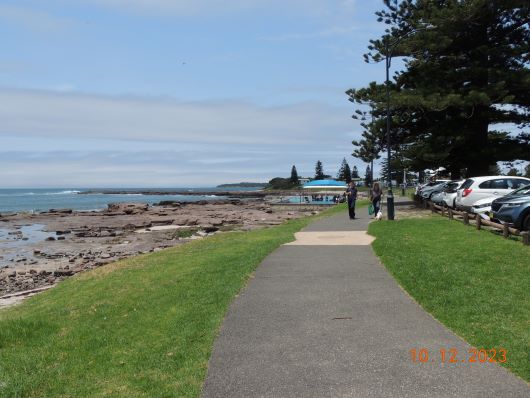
x,y
375,197
351,193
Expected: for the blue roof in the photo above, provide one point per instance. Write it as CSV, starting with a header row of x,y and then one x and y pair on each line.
x,y
325,183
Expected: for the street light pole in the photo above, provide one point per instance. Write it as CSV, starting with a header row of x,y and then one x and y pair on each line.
x,y
404,186
390,194
388,58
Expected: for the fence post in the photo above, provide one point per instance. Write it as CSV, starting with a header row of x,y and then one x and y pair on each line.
x,y
526,238
465,217
505,231
478,221
450,211
443,210
431,205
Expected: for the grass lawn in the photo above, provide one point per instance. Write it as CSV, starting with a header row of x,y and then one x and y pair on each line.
x,y
141,327
474,282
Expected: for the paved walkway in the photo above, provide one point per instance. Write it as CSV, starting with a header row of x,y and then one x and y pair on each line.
x,y
328,320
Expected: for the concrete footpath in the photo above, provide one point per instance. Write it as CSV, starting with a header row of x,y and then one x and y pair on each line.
x,y
323,318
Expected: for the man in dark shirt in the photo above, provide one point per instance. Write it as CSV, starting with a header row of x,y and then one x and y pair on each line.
x,y
351,193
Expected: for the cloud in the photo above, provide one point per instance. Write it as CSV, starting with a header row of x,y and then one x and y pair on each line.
x,y
73,139
74,115
32,19
163,168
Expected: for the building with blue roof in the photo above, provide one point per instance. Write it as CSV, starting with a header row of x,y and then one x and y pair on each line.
x,y
324,184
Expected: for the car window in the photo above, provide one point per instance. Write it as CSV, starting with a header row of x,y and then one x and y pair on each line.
x,y
518,182
467,183
524,190
500,183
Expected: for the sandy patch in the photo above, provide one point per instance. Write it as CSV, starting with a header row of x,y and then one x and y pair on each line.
x,y
332,238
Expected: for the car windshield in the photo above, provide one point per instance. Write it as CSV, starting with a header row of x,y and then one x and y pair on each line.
x,y
521,191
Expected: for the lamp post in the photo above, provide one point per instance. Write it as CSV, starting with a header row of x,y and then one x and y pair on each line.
x,y
390,194
404,186
388,59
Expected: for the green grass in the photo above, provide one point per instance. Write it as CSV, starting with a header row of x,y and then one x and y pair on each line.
x,y
474,282
183,233
142,327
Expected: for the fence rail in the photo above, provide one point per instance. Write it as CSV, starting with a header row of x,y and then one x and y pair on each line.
x,y
471,218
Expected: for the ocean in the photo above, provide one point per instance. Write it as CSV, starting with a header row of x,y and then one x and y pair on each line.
x,y
38,200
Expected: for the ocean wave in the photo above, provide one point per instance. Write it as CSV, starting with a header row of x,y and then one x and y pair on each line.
x,y
62,193
11,194
126,194
18,194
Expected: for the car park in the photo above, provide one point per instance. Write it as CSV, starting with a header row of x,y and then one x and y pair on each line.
x,y
476,188
514,208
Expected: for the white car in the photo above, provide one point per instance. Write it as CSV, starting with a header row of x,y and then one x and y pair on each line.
x,y
476,188
482,207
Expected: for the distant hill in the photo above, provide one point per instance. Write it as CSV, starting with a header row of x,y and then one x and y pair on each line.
x,y
244,185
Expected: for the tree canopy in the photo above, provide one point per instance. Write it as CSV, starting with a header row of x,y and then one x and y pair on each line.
x,y
462,100
294,176
355,172
345,173
368,176
319,171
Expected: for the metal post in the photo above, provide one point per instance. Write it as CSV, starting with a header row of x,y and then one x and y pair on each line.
x,y
390,195
404,183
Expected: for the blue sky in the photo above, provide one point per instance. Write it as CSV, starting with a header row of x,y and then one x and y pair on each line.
x,y
178,93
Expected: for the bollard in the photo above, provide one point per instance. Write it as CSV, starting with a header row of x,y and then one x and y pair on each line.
x,y
465,218
526,238
505,231
478,221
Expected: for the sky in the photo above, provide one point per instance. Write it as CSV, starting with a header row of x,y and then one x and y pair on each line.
x,y
174,93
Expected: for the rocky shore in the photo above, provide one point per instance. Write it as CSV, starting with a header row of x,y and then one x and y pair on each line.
x,y
39,250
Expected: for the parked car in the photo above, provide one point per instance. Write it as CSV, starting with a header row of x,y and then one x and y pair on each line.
x,y
421,187
449,193
482,207
437,197
476,188
514,208
427,192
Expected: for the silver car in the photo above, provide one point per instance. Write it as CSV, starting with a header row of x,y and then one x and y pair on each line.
x,y
449,194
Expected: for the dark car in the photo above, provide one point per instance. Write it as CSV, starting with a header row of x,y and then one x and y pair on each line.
x,y
514,208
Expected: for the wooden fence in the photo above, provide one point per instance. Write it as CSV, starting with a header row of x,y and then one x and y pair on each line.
x,y
479,222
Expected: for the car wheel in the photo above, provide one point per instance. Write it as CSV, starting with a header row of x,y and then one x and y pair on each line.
x,y
526,223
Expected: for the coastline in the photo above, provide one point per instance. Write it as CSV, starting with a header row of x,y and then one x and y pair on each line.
x,y
45,248
228,194
43,200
